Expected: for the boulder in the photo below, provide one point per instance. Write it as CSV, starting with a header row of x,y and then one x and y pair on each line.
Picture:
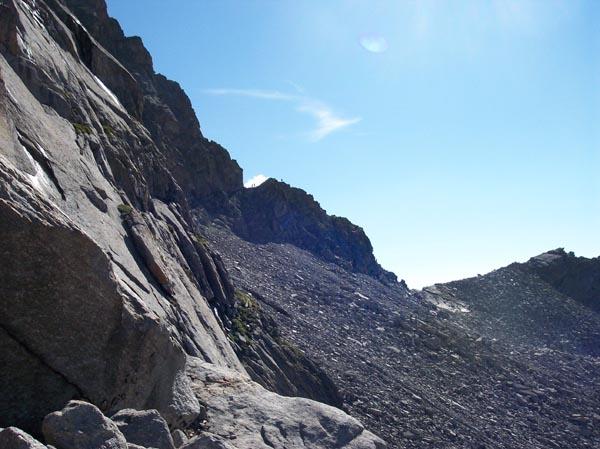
x,y
13,438
245,415
145,428
81,425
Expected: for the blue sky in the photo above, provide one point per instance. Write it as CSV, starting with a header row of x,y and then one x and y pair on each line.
x,y
460,135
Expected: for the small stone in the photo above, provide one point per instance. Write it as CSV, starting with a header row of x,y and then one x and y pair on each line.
x,y
13,438
179,438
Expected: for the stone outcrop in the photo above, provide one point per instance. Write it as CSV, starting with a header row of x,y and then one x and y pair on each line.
x,y
114,302
576,277
200,167
271,360
279,213
268,420
209,179
82,426
208,441
551,300
107,288
145,428
13,438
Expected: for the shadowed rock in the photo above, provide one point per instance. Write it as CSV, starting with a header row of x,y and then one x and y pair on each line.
x,y
13,438
81,425
145,428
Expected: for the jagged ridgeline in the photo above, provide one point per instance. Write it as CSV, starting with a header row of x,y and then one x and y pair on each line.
x,y
109,293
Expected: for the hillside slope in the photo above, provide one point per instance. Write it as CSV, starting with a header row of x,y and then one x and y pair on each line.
x,y
499,361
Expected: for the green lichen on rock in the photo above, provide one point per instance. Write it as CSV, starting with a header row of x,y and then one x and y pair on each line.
x,y
108,130
246,299
245,319
124,209
82,128
200,239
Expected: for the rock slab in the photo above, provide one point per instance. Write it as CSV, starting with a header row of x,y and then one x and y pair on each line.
x,y
145,428
81,425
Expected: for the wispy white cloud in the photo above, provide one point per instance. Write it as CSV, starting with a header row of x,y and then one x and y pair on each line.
x,y
296,87
255,181
327,121
252,93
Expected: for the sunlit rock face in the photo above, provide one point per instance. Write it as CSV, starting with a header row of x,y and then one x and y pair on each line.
x,y
107,289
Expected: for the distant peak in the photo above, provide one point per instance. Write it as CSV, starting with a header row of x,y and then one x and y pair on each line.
x,y
549,257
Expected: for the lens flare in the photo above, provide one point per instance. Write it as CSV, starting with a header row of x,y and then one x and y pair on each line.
x,y
374,43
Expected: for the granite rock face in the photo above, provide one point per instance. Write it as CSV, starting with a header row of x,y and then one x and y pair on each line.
x,y
270,359
209,179
199,166
107,287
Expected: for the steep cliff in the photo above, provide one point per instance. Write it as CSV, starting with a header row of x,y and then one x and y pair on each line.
x,y
277,212
108,293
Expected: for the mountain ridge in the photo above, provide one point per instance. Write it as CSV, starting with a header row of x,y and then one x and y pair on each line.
x,y
112,296
345,242
144,286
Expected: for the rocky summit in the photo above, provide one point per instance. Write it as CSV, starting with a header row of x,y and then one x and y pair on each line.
x,y
149,300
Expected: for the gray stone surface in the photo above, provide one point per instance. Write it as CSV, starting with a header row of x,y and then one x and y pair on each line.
x,y
245,415
110,288
498,360
208,441
144,428
81,425
70,154
179,438
13,438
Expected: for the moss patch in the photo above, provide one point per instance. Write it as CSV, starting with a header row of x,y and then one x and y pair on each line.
x,y
108,130
124,209
82,128
246,318
200,239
